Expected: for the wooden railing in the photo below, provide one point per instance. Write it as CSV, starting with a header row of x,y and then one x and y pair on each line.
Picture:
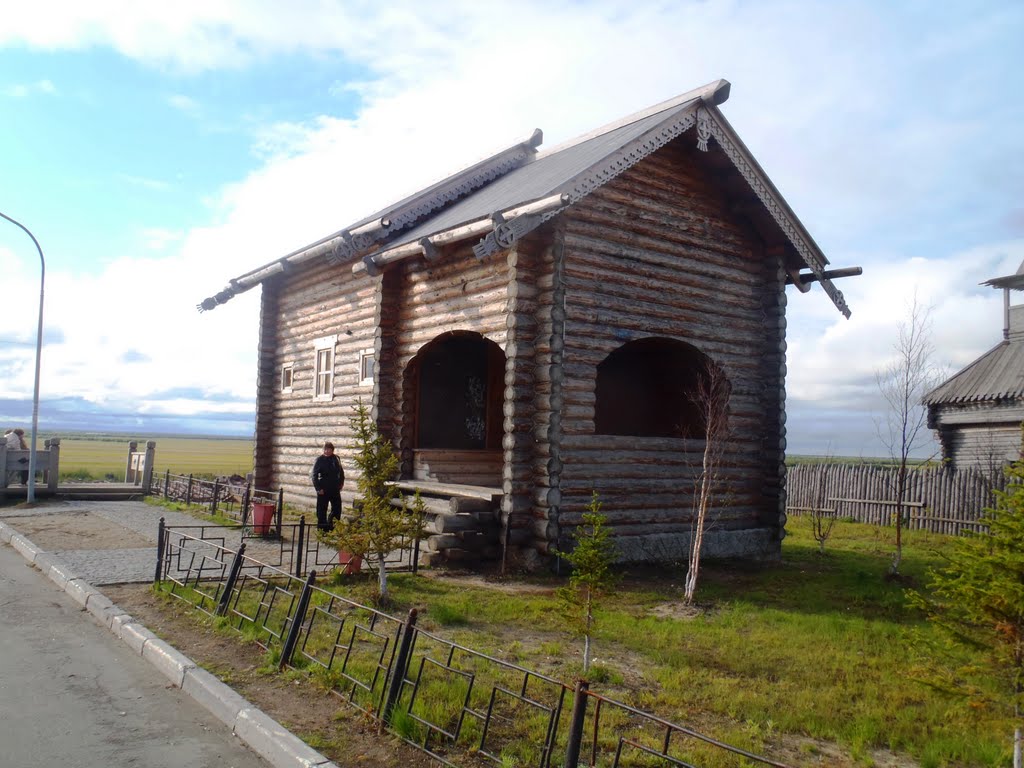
x,y
14,465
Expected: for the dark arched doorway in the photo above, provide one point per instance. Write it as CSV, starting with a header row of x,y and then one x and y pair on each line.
x,y
651,388
456,383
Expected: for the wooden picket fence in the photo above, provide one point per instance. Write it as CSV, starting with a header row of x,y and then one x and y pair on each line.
x,y
938,499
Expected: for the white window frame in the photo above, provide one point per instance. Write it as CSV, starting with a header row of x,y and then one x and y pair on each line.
x,y
289,369
323,377
364,355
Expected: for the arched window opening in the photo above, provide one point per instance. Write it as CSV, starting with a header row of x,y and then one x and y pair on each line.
x,y
651,388
458,388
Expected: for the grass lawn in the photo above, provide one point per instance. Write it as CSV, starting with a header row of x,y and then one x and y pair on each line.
x,y
817,648
96,456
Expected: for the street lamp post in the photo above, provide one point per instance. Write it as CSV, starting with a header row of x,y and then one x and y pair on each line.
x,y
39,349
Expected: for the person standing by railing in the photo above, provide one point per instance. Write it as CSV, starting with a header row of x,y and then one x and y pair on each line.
x,y
16,442
328,480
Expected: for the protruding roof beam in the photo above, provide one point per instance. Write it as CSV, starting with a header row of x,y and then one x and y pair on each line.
x,y
481,227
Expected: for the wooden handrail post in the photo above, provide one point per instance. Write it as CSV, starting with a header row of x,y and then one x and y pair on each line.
x,y
147,471
53,478
129,475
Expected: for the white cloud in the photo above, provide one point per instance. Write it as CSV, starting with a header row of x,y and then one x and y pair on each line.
x,y
184,103
872,141
24,90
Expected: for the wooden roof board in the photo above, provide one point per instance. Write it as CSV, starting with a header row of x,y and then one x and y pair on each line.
x,y
545,175
996,375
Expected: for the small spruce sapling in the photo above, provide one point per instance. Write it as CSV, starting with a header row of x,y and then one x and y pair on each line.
x,y
591,579
977,599
378,526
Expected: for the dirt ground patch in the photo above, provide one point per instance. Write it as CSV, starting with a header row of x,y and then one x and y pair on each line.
x,y
316,716
77,530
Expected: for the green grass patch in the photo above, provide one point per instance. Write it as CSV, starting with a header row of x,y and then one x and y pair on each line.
x,y
815,647
88,457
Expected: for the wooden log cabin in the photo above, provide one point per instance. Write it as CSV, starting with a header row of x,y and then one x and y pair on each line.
x,y
527,331
978,412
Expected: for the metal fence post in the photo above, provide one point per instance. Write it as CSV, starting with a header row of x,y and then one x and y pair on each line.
x,y
401,664
216,493
236,566
280,510
297,620
245,501
416,547
299,547
161,533
188,492
579,712
167,482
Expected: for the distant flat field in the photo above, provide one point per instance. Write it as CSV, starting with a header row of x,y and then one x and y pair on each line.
x,y
100,455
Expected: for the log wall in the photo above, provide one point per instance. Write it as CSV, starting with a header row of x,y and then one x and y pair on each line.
x,y
980,435
455,293
317,301
658,252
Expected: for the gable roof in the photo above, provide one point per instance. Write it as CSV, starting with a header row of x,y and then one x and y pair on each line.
x,y
503,197
996,375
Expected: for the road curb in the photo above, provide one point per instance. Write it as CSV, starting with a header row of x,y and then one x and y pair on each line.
x,y
257,730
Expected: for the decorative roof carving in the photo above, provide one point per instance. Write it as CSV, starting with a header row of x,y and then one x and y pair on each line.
x,y
778,210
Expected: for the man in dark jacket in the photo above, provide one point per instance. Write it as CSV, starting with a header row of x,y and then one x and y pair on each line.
x,y
328,479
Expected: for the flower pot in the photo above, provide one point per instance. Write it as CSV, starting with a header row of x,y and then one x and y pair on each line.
x,y
262,518
349,563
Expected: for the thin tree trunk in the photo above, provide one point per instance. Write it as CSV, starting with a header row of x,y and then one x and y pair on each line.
x,y
586,635
382,579
1018,761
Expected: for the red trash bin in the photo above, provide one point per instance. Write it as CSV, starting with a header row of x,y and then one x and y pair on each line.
x,y
262,518
349,563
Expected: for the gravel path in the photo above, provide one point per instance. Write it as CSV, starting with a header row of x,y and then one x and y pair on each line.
x,y
119,566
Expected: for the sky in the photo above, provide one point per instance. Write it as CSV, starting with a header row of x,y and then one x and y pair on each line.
x,y
157,150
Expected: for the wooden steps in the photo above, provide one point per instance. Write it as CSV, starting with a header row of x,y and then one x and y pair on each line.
x,y
463,522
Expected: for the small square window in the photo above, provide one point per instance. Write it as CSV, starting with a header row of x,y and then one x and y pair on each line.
x,y
287,372
367,366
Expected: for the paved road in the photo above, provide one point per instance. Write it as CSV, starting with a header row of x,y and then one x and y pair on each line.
x,y
72,695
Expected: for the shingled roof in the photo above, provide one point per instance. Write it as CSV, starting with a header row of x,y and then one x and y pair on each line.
x,y
501,198
996,375
999,373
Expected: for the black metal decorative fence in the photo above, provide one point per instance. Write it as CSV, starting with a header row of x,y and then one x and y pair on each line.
x,y
237,500
454,703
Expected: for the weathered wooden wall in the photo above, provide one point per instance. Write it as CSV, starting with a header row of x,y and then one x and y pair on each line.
x,y
658,252
319,300
980,435
939,499
424,300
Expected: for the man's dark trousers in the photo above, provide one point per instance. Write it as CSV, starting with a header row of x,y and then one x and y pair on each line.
x,y
332,497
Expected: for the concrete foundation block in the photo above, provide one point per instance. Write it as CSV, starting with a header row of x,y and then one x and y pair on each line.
x,y
172,663
118,621
6,532
97,605
45,561
213,695
60,573
274,743
136,636
79,591
27,548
